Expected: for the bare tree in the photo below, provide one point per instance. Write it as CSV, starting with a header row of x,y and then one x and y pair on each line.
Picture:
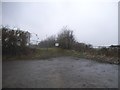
x,y
48,42
66,38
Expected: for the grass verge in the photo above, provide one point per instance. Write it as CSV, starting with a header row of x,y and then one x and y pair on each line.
x,y
46,53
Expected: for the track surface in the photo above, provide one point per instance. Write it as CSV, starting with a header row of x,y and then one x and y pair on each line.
x,y
62,72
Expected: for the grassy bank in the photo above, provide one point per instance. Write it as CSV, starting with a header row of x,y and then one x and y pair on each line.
x,y
46,53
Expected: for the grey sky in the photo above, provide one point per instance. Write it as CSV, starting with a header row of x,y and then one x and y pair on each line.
x,y
94,22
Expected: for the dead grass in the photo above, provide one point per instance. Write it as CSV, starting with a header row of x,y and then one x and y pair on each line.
x,y
46,53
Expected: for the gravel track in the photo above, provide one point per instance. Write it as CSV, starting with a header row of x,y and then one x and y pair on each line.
x,y
62,72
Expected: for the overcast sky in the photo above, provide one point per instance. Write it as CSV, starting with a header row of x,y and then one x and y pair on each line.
x,y
94,22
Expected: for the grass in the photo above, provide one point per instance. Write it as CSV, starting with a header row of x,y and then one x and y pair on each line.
x,y
41,53
46,53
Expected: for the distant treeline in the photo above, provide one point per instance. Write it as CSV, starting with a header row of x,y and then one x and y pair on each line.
x,y
15,42
66,40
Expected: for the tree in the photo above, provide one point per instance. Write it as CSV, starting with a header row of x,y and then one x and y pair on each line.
x,y
66,38
49,42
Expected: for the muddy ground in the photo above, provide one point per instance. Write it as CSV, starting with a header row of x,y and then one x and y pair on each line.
x,y
62,72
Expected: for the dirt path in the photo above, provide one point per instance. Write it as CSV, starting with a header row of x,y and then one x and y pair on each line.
x,y
63,72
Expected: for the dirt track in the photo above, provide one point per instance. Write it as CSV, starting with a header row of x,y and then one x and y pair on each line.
x,y
63,72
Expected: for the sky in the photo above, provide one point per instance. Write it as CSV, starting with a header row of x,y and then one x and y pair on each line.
x,y
93,22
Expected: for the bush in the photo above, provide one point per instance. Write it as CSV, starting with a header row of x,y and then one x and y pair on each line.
x,y
14,42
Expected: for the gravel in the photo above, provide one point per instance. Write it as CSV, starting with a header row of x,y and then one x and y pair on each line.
x,y
62,72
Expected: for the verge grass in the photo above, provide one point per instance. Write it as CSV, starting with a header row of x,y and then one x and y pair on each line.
x,y
46,53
